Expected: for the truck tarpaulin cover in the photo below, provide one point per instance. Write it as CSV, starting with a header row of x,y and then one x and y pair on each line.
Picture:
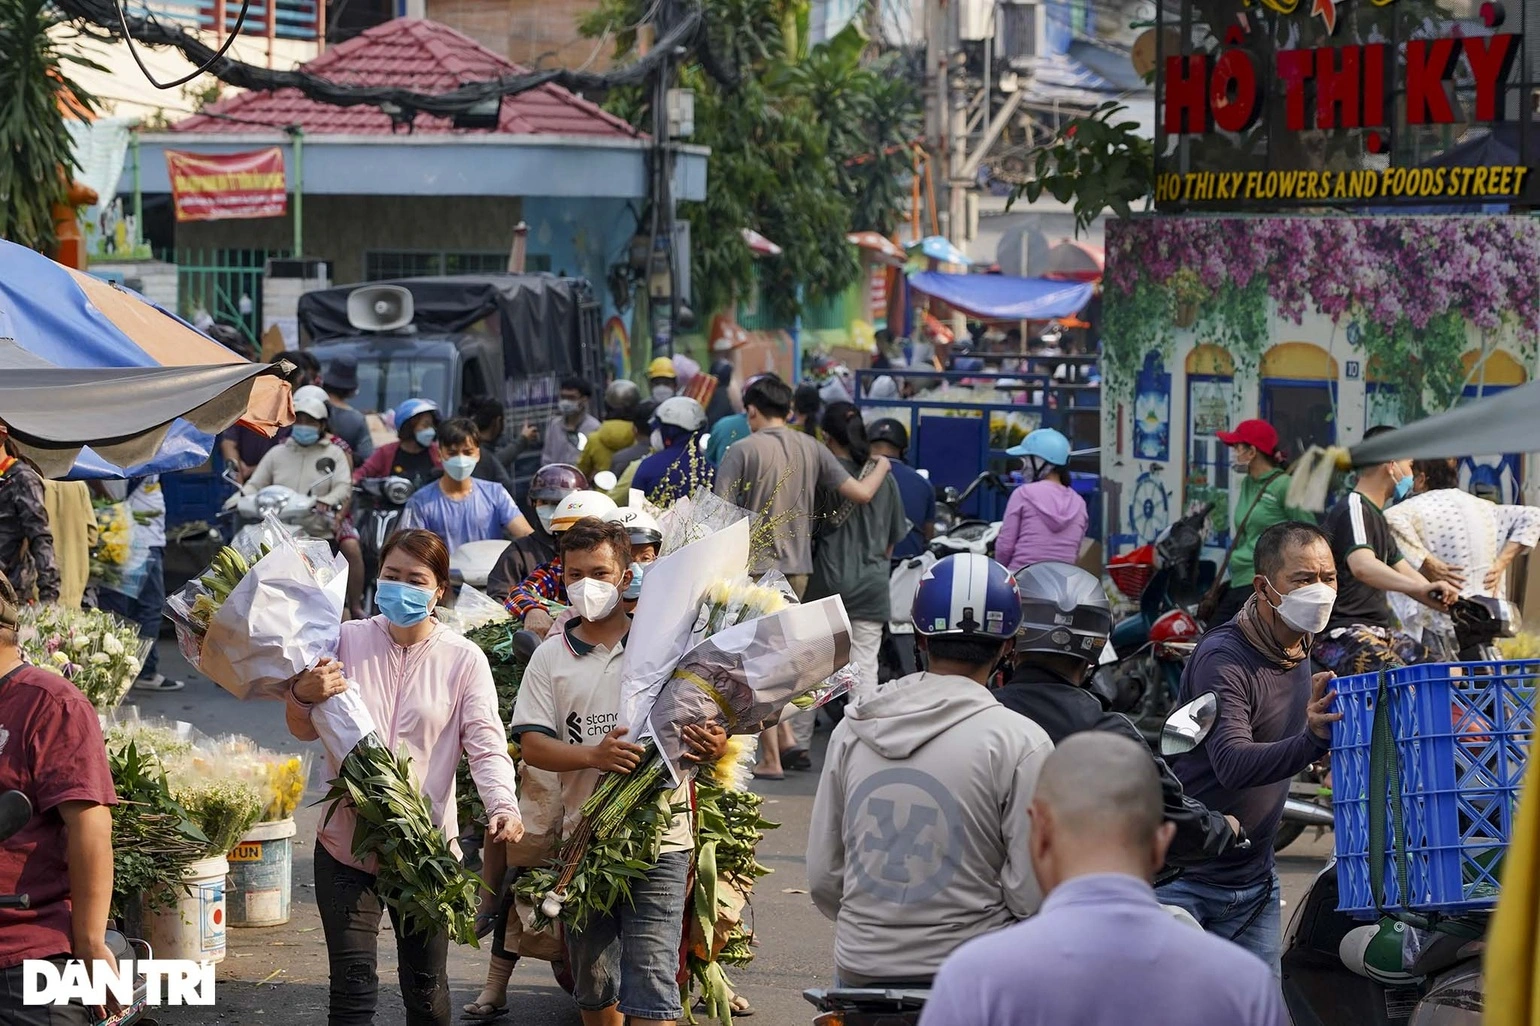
x,y
540,315
1004,297
227,186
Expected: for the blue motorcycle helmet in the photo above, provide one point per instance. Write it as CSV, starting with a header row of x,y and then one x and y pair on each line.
x,y
967,595
1043,450
413,408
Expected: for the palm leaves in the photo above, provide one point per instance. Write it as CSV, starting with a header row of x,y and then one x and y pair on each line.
x,y
36,97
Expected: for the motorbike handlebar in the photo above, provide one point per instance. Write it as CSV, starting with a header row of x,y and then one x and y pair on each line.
x,y
15,901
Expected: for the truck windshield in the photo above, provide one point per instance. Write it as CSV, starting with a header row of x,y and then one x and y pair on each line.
x,y
384,382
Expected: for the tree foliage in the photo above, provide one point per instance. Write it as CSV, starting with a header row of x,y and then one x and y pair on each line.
x,y
808,144
1096,162
37,96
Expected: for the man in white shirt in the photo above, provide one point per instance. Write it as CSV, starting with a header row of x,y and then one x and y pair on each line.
x,y
1455,537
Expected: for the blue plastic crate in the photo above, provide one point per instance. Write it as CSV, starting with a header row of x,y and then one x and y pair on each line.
x,y
1462,733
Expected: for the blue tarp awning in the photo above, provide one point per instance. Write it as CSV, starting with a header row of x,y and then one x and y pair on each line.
x,y
1003,297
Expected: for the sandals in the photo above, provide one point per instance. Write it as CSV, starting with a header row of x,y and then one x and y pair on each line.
x,y
740,1004
477,1012
796,759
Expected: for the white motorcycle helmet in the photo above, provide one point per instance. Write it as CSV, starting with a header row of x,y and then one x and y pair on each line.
x,y
681,412
579,505
639,524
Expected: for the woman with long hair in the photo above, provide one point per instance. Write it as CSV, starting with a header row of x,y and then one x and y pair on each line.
x,y
430,693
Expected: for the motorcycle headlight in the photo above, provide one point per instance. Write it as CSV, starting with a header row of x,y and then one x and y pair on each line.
x,y
270,501
398,490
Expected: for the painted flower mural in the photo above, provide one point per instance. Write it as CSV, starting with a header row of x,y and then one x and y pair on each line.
x,y
1406,289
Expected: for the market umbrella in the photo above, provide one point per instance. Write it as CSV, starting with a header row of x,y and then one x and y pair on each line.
x,y
1079,261
878,243
937,247
72,320
1506,422
122,413
760,245
1003,297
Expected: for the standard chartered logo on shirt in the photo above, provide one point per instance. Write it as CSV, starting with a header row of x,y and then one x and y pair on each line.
x,y
907,821
600,724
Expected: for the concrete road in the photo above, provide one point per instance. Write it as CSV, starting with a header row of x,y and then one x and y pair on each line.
x,y
279,974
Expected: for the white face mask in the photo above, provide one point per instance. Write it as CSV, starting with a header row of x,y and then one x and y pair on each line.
x,y
1306,609
546,515
593,599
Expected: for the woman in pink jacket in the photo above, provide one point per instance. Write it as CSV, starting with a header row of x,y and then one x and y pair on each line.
x,y
1045,518
429,691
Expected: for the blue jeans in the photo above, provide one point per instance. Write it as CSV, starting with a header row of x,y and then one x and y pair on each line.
x,y
144,609
1250,916
632,956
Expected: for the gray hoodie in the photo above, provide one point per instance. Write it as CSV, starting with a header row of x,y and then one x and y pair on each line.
x,y
919,835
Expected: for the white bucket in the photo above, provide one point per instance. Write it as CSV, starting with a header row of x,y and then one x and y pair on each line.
x,y
193,928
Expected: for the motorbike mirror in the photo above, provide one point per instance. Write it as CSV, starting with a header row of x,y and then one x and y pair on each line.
x,y
15,813
604,480
1188,727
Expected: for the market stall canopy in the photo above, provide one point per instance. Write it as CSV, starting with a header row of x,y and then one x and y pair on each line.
x,y
1506,422
68,319
936,247
123,413
878,243
760,245
1001,297
1078,261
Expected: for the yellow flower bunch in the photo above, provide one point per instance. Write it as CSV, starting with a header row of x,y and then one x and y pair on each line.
x,y
1524,646
115,526
286,776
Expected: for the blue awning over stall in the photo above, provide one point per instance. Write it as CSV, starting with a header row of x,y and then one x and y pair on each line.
x,y
1003,297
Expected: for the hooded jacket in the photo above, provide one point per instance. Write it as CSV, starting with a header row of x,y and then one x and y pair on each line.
x,y
612,436
1060,709
1043,521
918,840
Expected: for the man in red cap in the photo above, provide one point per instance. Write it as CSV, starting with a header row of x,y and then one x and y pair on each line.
x,y
1254,453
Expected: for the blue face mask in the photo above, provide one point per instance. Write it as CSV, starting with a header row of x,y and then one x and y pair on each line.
x,y
304,434
404,605
634,589
426,436
1403,487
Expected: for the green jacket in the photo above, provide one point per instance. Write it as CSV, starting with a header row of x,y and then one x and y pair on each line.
x,y
1271,509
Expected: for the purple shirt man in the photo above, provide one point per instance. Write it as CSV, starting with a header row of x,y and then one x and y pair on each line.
x,y
1101,951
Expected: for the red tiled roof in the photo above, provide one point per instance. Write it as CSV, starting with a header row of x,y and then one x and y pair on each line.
x,y
417,54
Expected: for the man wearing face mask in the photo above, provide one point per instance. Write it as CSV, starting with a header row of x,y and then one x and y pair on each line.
x,y
1361,636
309,463
571,423
676,467
662,379
550,485
547,583
1274,719
566,721
458,507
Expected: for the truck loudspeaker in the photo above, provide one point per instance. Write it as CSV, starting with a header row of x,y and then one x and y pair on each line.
x,y
380,308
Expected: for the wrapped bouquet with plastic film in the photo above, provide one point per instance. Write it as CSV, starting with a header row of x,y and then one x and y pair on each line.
x,y
252,622
708,644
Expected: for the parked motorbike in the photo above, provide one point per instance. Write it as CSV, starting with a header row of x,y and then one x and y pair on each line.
x,y
1479,620
299,512
867,1006
957,533
16,813
1331,976
377,507
1152,646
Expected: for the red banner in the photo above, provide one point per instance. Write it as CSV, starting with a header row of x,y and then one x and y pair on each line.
x,y
226,186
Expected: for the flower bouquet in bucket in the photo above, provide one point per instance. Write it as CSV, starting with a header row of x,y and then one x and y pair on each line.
x,y
270,619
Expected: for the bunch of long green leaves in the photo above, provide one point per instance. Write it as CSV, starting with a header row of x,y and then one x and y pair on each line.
x,y
37,98
496,640
153,837
418,874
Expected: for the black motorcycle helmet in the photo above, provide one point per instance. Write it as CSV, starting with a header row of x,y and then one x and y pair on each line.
x,y
1064,611
891,431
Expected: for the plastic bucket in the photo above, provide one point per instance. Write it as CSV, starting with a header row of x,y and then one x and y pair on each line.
x,y
258,888
193,928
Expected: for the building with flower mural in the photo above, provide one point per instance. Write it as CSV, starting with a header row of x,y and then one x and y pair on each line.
x,y
1324,326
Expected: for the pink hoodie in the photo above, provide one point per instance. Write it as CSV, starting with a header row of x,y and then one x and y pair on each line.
x,y
1044,521
434,699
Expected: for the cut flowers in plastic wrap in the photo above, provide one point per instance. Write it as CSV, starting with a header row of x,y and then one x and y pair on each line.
x,y
279,617
706,644
96,651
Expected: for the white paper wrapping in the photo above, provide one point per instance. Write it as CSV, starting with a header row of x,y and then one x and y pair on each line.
x,y
342,721
754,669
666,613
279,620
